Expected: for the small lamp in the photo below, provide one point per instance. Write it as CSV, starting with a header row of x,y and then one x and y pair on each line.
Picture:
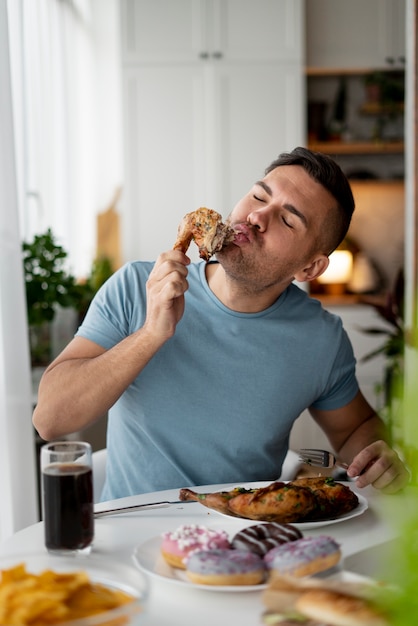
x,y
338,272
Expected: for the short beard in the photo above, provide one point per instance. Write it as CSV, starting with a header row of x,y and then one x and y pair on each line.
x,y
250,277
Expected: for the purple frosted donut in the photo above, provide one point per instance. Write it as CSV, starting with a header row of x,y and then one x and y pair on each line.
x,y
225,567
260,538
304,557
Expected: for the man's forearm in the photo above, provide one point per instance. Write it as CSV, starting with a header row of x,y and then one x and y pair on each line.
x,y
366,433
75,390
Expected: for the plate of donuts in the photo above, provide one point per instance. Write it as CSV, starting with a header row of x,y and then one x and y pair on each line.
x,y
148,558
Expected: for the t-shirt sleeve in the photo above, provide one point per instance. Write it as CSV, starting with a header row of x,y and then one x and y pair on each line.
x,y
342,385
110,317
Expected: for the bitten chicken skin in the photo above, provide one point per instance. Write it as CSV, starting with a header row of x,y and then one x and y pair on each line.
x,y
206,228
333,498
279,502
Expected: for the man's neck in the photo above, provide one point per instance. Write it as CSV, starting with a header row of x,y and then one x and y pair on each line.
x,y
237,297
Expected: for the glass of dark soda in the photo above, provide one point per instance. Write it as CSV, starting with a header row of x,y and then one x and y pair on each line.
x,y
67,496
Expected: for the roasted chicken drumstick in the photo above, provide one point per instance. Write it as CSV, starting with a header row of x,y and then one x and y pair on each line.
x,y
205,227
217,500
278,502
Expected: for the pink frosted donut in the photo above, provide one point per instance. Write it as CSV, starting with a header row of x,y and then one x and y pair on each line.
x,y
177,545
225,567
260,538
304,557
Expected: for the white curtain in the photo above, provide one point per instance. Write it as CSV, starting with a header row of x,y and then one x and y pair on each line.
x,y
18,502
59,84
59,125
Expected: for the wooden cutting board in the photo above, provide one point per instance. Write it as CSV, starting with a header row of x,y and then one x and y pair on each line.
x,y
108,233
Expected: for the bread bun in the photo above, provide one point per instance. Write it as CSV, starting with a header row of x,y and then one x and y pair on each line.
x,y
338,609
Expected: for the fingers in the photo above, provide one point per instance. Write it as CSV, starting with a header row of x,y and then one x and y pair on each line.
x,y
168,262
166,286
380,466
170,269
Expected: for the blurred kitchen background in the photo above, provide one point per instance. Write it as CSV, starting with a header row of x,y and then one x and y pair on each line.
x,y
118,117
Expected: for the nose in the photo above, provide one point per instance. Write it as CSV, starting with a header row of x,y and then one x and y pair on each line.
x,y
259,219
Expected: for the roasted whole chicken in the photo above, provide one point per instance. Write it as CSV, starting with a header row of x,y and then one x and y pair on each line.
x,y
206,229
333,498
302,500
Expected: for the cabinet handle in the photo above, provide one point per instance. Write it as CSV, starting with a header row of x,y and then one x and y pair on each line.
x,y
217,55
390,60
402,60
204,55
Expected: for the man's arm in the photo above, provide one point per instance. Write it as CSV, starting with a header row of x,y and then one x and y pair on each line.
x,y
359,437
85,380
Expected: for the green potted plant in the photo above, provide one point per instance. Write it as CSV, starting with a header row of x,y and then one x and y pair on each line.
x,y
101,270
385,88
49,285
392,311
385,94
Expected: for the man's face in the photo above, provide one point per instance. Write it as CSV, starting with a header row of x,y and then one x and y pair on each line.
x,y
279,223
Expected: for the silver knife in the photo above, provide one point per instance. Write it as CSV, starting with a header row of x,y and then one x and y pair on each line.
x,y
138,507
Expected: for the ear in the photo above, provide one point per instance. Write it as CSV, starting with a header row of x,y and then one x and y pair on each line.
x,y
313,270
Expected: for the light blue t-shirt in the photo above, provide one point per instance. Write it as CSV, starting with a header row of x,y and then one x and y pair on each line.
x,y
217,402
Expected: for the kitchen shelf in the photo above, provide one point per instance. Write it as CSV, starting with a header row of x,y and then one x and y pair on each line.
x,y
377,109
357,147
350,299
350,71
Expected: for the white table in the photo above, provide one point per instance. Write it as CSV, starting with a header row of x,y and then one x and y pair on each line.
x,y
176,605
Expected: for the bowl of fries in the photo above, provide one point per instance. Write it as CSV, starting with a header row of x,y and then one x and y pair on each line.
x,y
83,590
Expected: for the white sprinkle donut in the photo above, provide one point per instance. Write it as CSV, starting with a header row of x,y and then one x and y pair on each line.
x,y
304,557
260,538
177,545
225,567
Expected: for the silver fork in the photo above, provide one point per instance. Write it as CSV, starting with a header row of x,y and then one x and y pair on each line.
x,y
319,458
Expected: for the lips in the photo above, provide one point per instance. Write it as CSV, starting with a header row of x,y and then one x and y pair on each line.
x,y
243,233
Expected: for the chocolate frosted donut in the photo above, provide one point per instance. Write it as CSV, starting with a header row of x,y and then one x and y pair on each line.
x,y
261,538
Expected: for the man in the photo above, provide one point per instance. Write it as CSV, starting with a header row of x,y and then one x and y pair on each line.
x,y
205,367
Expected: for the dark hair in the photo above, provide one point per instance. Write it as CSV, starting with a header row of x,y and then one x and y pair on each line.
x,y
327,173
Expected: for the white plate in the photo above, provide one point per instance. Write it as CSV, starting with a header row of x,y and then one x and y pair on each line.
x,y
148,558
359,510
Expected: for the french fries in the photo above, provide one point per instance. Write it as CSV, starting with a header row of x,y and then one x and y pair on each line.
x,y
50,597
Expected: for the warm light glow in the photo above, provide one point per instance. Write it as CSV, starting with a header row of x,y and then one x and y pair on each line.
x,y
339,269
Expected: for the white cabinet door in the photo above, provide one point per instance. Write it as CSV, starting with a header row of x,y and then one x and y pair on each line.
x,y
165,155
249,30
161,31
357,34
259,113
198,30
